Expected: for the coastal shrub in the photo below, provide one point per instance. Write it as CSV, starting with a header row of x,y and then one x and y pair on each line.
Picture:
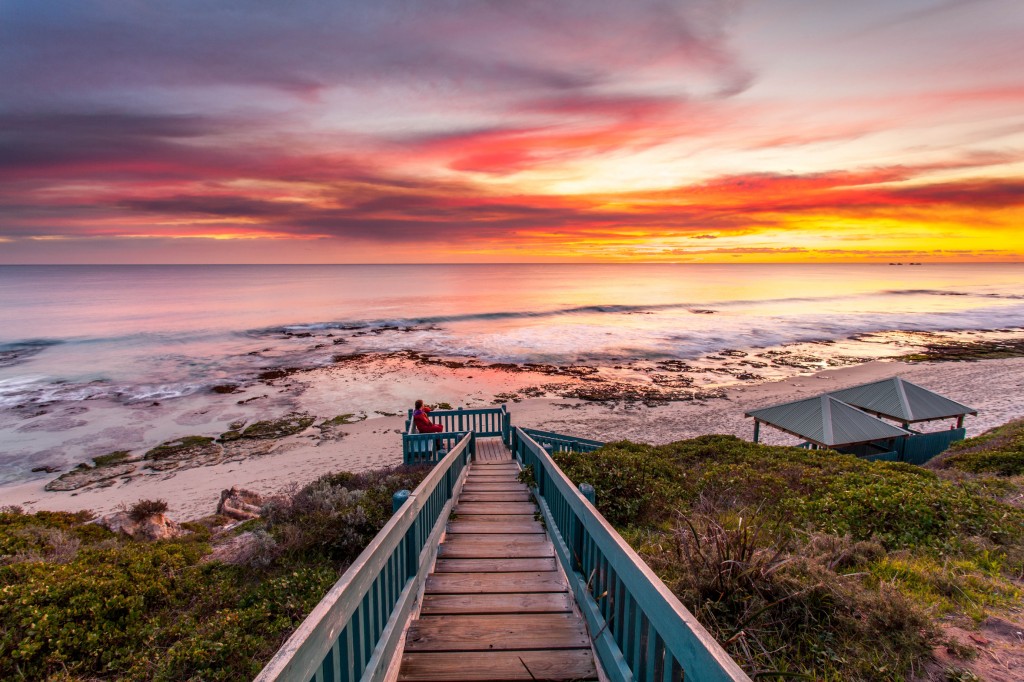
x,y
143,509
338,514
81,602
998,451
807,562
634,483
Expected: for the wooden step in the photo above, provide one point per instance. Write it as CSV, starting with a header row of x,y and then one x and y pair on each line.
x,y
544,602
494,565
495,496
510,666
471,487
497,632
505,547
496,518
483,583
470,526
495,508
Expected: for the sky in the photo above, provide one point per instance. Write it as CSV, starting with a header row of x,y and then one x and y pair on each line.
x,y
445,131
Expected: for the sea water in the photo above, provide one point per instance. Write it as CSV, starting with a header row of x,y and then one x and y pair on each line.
x,y
96,358
159,332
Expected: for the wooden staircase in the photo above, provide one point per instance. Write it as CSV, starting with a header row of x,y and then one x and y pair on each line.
x,y
496,606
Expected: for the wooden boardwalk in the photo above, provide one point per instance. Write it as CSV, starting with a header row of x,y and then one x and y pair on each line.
x,y
496,606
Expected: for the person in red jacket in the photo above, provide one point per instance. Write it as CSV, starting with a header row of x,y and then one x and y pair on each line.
x,y
422,421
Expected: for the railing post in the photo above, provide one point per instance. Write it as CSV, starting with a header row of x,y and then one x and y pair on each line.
x,y
398,499
589,493
461,427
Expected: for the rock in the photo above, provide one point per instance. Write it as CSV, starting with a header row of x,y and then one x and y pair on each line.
x,y
46,469
85,475
152,527
288,425
239,503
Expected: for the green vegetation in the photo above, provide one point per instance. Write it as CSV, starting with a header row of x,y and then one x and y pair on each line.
x,y
341,420
146,508
999,451
80,603
179,446
279,428
112,458
811,563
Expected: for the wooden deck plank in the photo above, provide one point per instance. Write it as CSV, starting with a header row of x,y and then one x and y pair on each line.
x,y
484,583
497,633
495,508
496,518
497,485
469,526
494,565
543,602
508,666
495,496
518,549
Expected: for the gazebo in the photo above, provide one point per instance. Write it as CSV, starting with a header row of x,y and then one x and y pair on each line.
x,y
826,422
901,401
850,420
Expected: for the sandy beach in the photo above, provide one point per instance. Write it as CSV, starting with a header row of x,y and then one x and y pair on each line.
x,y
993,387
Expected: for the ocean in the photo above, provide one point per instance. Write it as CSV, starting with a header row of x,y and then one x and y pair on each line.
x,y
160,332
138,335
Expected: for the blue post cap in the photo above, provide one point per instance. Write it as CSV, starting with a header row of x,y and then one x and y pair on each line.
x,y
549,448
398,499
588,492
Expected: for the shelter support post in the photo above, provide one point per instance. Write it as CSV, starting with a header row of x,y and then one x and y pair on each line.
x,y
757,430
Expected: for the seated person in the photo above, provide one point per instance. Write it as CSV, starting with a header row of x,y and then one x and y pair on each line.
x,y
422,421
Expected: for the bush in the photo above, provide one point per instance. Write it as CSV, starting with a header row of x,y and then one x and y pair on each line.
x,y
807,562
999,451
80,602
143,509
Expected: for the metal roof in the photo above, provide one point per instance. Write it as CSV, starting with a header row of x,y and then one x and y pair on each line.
x,y
901,400
827,421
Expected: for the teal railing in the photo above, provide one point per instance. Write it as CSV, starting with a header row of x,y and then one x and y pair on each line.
x,y
640,630
921,447
427,448
354,632
561,443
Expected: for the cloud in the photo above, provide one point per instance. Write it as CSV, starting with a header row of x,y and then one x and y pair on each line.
x,y
306,45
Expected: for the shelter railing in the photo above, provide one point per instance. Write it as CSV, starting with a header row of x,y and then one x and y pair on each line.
x,y
640,630
426,448
921,447
354,632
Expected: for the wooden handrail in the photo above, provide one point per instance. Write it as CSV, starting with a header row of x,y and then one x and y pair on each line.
x,y
560,442
640,629
355,630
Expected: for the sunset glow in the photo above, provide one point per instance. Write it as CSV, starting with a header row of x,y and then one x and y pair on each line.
x,y
596,130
